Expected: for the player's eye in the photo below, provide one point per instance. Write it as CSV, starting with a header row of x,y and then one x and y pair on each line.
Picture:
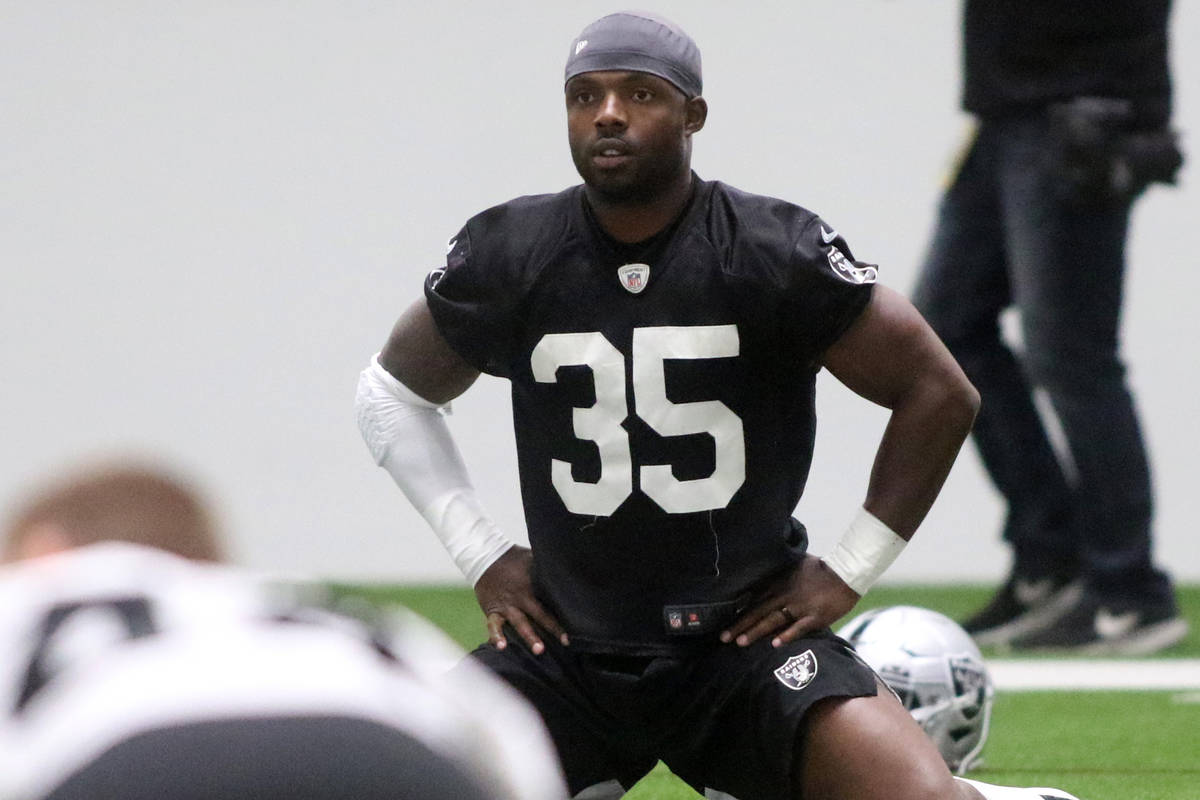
x,y
582,97
643,95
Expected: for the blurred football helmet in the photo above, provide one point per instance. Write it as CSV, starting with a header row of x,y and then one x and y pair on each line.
x,y
937,672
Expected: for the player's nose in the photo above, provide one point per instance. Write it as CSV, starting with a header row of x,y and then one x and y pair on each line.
x,y
611,112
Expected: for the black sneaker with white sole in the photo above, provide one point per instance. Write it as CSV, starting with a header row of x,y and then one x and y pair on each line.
x,y
1096,627
1020,607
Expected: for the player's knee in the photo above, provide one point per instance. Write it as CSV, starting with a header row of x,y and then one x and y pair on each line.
x,y
892,781
926,781
915,779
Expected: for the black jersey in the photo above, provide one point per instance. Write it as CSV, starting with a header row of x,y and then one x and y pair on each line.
x,y
664,407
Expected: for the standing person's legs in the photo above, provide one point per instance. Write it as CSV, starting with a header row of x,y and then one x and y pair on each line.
x,y
1067,265
962,291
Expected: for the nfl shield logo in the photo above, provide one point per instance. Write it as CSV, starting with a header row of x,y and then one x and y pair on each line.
x,y
634,276
798,671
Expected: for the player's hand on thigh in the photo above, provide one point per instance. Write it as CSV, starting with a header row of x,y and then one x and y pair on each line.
x,y
811,597
505,593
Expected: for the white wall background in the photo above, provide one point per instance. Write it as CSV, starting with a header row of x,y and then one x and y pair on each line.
x,y
211,213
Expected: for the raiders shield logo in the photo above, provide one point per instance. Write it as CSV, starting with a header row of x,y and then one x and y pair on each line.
x,y
850,271
968,674
634,276
798,671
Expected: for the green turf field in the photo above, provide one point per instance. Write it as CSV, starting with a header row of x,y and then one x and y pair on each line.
x,y
1109,745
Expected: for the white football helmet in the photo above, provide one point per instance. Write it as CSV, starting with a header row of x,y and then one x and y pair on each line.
x,y
937,672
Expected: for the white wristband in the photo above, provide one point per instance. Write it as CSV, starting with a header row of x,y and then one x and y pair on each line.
x,y
408,437
865,551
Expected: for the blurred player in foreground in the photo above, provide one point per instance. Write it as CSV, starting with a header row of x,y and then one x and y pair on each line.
x,y
132,666
662,335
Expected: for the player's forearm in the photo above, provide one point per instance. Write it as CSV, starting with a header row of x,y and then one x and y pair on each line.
x,y
923,437
409,438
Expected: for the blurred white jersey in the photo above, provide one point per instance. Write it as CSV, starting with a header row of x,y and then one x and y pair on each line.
x,y
105,644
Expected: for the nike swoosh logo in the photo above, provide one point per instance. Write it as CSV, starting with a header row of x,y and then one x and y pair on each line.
x,y
828,236
1114,626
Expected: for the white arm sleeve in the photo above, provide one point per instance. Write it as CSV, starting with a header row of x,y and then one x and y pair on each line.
x,y
409,438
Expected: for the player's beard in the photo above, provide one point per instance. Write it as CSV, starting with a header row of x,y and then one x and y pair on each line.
x,y
643,180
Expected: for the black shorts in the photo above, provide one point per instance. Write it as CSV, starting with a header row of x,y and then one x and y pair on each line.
x,y
723,717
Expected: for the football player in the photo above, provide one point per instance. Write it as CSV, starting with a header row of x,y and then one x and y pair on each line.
x,y
134,667
662,335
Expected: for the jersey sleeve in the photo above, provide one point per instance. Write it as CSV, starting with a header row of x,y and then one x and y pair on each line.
x,y
828,288
474,304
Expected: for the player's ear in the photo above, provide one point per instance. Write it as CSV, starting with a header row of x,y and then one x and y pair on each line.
x,y
695,113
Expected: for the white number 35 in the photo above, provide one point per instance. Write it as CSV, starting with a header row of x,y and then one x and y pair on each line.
x,y
601,422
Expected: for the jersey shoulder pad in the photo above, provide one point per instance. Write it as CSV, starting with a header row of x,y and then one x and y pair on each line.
x,y
524,223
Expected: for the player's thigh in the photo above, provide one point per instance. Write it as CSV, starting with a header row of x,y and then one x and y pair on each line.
x,y
869,748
